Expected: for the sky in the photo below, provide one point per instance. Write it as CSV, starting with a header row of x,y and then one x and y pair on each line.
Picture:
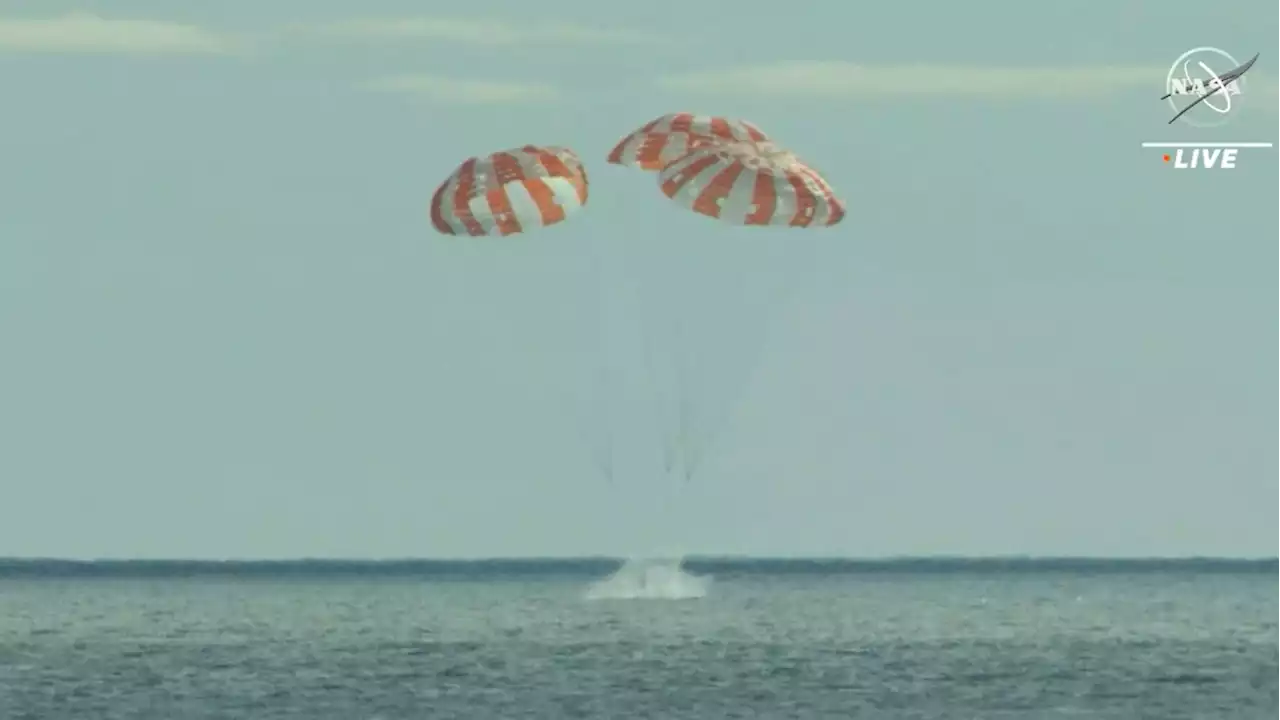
x,y
228,330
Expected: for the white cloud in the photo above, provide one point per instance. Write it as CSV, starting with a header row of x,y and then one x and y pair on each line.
x,y
455,91
477,31
88,33
840,79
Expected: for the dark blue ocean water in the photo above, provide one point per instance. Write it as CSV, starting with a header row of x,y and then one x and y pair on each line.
x,y
546,639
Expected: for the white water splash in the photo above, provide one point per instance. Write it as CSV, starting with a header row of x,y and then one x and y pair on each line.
x,y
648,579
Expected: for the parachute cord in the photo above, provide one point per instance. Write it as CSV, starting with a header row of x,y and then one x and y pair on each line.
x,y
648,297
606,462
604,458
695,455
685,422
660,402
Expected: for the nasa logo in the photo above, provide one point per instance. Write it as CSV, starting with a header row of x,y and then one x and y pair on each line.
x,y
1205,95
1205,85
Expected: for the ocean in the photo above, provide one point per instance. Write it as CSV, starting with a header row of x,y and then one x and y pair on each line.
x,y
919,639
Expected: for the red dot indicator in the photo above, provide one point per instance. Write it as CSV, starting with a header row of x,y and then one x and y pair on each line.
x,y
1166,158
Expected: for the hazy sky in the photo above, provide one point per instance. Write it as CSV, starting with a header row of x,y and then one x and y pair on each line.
x,y
227,328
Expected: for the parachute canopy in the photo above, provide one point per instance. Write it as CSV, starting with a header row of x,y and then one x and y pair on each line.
x,y
750,183
510,191
664,139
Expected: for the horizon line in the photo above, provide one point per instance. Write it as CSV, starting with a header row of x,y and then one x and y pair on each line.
x,y
499,569
721,557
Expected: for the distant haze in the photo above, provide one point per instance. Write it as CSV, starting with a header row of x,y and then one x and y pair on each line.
x,y
227,328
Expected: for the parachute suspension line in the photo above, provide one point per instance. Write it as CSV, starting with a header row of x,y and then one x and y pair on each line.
x,y
685,420
696,424
598,435
604,457
650,302
588,432
660,402
588,435
716,414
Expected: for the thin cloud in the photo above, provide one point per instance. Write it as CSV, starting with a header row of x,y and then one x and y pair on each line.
x,y
89,33
457,91
844,79
475,31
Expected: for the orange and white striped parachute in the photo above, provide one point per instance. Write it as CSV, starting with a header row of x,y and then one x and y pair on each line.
x,y
664,139
511,191
751,183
